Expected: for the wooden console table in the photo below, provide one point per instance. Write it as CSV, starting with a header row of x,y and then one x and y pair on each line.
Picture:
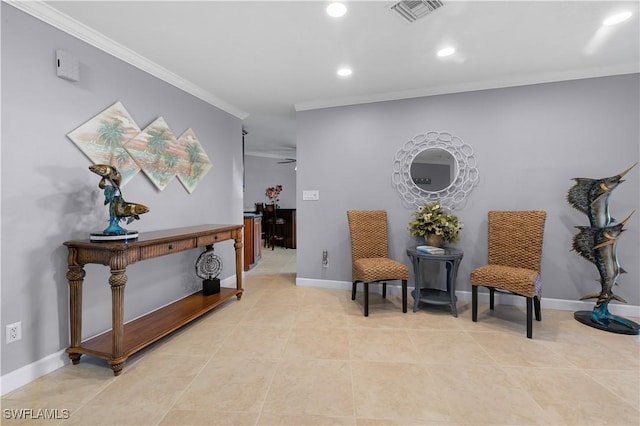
x,y
123,339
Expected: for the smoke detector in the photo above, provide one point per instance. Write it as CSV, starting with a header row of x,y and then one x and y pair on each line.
x,y
413,10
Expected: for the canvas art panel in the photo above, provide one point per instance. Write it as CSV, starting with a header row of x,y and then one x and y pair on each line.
x,y
156,151
102,140
193,162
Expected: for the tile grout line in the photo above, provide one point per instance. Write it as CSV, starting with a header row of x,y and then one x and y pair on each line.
x,y
273,376
195,376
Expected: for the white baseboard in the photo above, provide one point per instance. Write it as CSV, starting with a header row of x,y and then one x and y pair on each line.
x,y
28,373
483,297
229,282
20,377
336,285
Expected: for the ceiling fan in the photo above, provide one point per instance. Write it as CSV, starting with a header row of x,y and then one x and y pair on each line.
x,y
287,161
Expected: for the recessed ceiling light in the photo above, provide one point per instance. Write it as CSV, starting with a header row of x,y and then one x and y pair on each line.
x,y
344,72
617,18
447,51
336,9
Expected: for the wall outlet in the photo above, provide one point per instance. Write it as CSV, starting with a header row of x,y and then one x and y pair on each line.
x,y
14,332
325,259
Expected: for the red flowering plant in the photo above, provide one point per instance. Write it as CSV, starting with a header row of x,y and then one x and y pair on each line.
x,y
273,192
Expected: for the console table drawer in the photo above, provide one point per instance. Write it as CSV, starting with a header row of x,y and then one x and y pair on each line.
x,y
166,248
210,239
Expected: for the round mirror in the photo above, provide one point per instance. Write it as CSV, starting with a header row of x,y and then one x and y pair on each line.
x,y
433,169
435,166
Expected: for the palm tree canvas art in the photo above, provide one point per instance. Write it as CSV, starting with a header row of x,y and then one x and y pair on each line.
x,y
113,138
102,139
156,151
193,162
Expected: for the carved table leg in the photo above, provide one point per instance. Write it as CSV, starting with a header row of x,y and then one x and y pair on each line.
x,y
75,275
238,246
75,358
117,368
117,280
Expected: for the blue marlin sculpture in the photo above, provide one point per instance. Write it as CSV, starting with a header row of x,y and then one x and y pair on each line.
x,y
597,244
591,197
119,209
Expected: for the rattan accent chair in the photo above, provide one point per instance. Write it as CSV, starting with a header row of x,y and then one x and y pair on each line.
x,y
370,255
515,253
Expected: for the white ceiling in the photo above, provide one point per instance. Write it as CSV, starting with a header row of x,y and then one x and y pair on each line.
x,y
264,60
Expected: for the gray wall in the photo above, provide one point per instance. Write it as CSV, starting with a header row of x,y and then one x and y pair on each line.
x,y
529,143
49,195
262,173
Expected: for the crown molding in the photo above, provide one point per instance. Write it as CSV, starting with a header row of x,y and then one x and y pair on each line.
x,y
263,154
63,22
506,82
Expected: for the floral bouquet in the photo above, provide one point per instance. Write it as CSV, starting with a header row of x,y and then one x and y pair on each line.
x,y
273,192
431,218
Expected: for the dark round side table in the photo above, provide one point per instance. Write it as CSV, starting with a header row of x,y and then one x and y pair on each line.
x,y
451,258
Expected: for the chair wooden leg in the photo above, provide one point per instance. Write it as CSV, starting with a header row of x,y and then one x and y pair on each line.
x,y
384,290
404,296
492,292
366,299
474,303
536,305
529,317
353,290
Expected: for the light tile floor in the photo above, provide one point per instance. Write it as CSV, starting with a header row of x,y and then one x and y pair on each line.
x,y
287,355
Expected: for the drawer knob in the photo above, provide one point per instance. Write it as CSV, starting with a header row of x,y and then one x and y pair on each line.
x,y
170,246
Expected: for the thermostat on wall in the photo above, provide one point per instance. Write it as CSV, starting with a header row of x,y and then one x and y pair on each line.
x,y
67,66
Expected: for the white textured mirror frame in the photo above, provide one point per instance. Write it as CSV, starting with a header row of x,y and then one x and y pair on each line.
x,y
453,195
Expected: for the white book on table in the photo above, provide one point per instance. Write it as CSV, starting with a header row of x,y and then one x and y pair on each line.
x,y
430,249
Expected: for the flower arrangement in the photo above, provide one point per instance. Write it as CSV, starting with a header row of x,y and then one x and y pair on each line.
x,y
431,218
273,192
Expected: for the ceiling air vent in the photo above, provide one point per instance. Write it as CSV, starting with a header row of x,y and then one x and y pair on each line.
x,y
416,9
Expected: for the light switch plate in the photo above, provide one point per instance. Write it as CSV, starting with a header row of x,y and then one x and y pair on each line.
x,y
313,195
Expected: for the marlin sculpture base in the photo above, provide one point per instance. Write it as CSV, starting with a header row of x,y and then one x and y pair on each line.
x,y
611,323
126,236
